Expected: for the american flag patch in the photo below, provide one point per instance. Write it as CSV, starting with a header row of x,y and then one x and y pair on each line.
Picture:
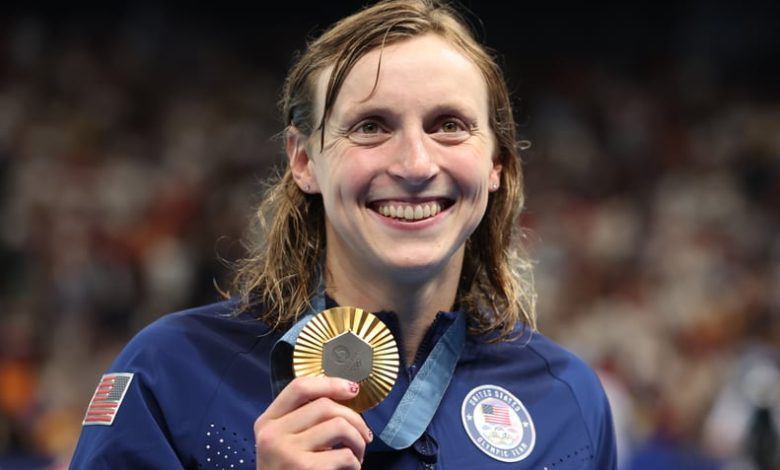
x,y
107,399
496,414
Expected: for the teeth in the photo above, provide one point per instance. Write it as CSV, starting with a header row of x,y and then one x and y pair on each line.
x,y
410,212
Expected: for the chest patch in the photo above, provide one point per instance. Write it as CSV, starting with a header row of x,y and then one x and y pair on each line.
x,y
107,399
498,423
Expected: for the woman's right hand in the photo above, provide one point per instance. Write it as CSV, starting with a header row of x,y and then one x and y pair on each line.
x,y
305,427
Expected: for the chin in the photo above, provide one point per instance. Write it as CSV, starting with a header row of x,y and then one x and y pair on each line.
x,y
416,269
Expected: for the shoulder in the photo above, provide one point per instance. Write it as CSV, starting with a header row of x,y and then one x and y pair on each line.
x,y
587,391
192,347
585,385
222,318
560,365
172,371
565,366
556,382
535,350
214,329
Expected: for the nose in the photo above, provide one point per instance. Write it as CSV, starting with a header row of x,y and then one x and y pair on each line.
x,y
414,164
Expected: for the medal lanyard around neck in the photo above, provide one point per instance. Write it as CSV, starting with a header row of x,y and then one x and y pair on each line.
x,y
421,399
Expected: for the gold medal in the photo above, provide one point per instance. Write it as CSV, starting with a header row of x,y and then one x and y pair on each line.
x,y
353,344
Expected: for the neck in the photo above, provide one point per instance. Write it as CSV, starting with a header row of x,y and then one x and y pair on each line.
x,y
414,299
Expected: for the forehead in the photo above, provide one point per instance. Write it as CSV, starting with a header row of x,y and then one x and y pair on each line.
x,y
423,70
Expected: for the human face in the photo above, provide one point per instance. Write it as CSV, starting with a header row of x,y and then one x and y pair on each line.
x,y
407,166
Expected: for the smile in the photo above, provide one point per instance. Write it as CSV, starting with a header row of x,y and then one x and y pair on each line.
x,y
411,212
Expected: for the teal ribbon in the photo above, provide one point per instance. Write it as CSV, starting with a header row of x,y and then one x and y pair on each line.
x,y
282,351
419,402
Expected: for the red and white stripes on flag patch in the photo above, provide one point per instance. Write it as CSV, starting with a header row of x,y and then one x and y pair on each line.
x,y
107,399
496,414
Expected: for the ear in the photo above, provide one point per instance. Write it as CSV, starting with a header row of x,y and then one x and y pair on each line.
x,y
494,178
300,162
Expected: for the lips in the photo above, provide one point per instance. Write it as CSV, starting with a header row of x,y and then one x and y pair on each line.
x,y
410,211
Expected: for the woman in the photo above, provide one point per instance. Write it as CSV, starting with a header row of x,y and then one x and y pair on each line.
x,y
401,197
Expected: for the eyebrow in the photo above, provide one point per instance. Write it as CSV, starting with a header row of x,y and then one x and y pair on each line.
x,y
361,111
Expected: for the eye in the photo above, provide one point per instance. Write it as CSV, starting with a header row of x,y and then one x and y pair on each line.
x,y
369,132
450,130
368,127
451,126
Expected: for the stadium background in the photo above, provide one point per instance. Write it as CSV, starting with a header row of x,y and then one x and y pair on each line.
x,y
134,137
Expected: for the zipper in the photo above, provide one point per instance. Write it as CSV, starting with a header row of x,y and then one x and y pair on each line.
x,y
425,347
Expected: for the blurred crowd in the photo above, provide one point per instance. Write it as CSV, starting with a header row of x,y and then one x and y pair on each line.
x,y
655,223
131,158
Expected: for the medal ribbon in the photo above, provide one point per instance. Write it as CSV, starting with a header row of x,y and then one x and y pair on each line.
x,y
418,404
282,351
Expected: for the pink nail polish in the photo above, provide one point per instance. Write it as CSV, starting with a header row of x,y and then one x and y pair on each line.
x,y
353,387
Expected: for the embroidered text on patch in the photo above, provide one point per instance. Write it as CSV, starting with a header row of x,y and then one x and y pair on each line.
x,y
107,399
498,423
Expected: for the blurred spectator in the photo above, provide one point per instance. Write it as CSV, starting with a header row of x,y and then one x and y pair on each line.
x,y
132,147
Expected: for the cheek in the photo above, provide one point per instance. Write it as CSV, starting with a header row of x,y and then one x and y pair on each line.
x,y
347,175
473,172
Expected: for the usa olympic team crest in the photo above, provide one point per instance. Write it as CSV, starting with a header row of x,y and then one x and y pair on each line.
x,y
498,423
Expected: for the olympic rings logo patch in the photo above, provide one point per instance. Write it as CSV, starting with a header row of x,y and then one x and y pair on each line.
x,y
498,423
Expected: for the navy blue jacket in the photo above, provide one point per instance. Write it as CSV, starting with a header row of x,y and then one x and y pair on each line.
x,y
200,378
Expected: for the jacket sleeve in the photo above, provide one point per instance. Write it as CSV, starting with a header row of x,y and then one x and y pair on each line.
x,y
137,437
605,453
596,411
175,368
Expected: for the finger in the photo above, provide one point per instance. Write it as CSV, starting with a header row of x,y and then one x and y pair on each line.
x,y
305,389
334,433
321,410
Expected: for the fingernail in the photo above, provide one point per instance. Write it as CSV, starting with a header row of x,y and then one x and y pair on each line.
x,y
370,436
353,387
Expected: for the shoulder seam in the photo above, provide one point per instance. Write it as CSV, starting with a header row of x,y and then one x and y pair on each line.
x,y
228,365
571,390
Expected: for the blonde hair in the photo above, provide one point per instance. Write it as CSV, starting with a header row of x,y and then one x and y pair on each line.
x,y
283,271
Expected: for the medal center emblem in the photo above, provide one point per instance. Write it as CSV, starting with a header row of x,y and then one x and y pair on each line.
x,y
347,356
340,354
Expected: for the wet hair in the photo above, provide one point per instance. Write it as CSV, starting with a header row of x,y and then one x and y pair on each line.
x,y
283,271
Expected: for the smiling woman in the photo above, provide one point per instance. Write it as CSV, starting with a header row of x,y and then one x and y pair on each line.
x,y
396,155
277,277
400,197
